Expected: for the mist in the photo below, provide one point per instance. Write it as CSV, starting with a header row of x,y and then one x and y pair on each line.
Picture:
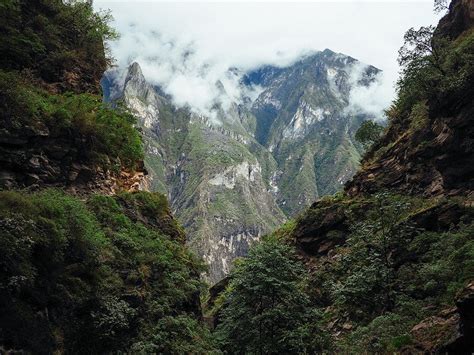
x,y
186,48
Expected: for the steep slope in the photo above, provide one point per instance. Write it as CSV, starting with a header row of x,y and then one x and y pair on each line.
x,y
390,259
86,266
229,181
215,175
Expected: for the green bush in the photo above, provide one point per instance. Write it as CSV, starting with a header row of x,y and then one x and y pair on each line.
x,y
105,131
368,133
51,38
88,278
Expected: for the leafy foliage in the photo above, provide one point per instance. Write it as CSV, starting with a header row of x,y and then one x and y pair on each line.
x,y
369,267
56,41
368,133
266,307
433,65
440,5
87,278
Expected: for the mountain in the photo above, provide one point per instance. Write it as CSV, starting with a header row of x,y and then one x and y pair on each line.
x,y
230,177
302,119
389,260
88,264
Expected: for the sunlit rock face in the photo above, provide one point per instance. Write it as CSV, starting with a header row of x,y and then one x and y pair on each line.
x,y
306,120
237,174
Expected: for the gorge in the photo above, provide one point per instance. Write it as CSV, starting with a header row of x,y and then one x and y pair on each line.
x,y
230,176
130,223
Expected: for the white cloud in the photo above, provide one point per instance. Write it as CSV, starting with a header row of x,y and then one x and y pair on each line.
x,y
187,47
372,99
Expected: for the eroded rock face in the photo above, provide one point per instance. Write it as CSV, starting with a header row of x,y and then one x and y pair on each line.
x,y
323,227
33,157
451,331
434,161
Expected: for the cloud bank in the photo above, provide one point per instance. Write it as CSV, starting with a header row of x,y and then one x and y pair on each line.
x,y
187,48
371,100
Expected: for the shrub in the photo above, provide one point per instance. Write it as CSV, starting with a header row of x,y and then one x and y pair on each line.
x,y
87,278
266,308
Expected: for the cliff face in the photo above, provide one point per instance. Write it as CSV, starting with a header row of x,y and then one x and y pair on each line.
x,y
230,178
390,257
88,264
430,152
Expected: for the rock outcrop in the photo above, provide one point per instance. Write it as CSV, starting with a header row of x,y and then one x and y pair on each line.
x,y
34,157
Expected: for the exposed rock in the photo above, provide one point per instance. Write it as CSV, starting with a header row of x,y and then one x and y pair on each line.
x,y
451,331
31,157
321,228
212,308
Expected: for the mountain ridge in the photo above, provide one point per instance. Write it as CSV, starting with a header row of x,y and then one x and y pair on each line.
x,y
222,182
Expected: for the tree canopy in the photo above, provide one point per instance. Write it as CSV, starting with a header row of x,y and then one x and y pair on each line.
x,y
368,133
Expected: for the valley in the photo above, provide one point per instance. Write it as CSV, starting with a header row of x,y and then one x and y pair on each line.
x,y
230,177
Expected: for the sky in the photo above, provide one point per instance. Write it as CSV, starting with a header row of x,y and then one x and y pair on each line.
x,y
185,47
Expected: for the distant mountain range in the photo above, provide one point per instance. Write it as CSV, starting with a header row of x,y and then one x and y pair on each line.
x,y
265,160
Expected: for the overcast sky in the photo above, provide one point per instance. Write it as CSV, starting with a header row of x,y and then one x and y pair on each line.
x,y
186,46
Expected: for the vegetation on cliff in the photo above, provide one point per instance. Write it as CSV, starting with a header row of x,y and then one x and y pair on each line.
x,y
60,46
390,262
267,309
96,274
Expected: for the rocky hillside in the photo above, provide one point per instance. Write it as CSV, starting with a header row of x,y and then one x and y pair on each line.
x,y
391,257
230,177
87,263
388,261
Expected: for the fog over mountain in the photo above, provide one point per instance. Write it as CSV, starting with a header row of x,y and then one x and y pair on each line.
x,y
186,48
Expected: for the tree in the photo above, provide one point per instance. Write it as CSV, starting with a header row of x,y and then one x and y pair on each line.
x,y
368,284
368,133
266,308
440,6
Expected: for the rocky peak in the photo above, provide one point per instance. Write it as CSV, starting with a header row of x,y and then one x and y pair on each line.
x,y
135,83
225,183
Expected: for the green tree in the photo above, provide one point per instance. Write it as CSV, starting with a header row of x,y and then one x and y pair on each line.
x,y
266,308
368,133
369,266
